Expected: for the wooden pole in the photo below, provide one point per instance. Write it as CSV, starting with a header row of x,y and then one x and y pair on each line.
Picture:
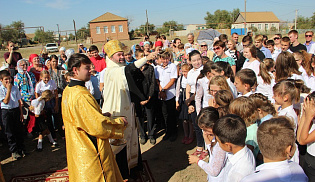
x,y
75,32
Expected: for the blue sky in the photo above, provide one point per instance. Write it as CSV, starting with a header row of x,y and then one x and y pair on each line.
x,y
50,13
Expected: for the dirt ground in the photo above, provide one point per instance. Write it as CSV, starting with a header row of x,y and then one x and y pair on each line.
x,y
168,161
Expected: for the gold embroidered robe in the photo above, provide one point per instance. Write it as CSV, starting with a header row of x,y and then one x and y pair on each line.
x,y
82,117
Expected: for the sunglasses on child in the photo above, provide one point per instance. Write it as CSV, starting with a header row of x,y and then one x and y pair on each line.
x,y
216,48
276,38
203,45
308,35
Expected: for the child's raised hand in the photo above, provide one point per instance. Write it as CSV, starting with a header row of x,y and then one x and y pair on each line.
x,y
177,106
193,159
309,108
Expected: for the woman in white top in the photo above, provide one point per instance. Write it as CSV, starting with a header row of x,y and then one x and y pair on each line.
x,y
265,79
224,69
306,135
252,62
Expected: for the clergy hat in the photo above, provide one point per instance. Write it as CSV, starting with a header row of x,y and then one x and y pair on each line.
x,y
113,46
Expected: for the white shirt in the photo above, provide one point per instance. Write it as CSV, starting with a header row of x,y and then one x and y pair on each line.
x,y
102,75
89,86
290,113
41,86
38,106
275,54
254,65
312,49
239,165
264,88
202,94
192,78
311,146
296,77
217,160
310,81
246,95
164,75
285,171
232,87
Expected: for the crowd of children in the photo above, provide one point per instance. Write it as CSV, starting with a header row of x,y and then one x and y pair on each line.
x,y
250,105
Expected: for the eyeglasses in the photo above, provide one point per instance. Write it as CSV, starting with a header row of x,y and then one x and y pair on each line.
x,y
308,35
22,64
276,38
203,45
216,48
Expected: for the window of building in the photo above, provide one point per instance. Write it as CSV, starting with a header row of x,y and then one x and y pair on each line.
x,y
120,28
105,29
259,26
98,30
252,25
113,29
273,25
266,26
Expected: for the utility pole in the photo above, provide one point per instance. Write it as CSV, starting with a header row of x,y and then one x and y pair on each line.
x,y
245,19
146,12
75,32
58,35
295,19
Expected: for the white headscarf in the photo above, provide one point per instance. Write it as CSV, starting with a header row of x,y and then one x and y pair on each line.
x,y
21,71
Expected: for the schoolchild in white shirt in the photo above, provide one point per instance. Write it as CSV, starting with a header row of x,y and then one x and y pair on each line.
x,y
165,76
306,135
202,91
245,80
217,157
230,132
224,69
309,78
285,94
276,139
274,52
182,107
51,106
252,62
265,79
265,108
196,62
287,68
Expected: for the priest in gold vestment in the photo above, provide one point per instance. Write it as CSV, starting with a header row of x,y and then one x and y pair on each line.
x,y
117,92
89,155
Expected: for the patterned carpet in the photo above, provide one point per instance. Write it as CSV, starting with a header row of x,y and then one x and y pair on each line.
x,y
63,176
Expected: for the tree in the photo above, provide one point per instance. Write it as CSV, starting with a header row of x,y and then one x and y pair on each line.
x,y
221,19
44,37
71,36
84,32
142,30
173,25
273,29
15,32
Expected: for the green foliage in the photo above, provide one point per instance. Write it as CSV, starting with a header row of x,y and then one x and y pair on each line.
x,y
15,33
253,29
44,37
273,29
84,32
71,36
305,22
142,30
173,25
221,19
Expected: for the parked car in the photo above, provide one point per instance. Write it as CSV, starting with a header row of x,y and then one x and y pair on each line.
x,y
51,47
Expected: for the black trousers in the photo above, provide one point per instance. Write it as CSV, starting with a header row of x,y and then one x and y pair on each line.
x,y
148,108
13,129
169,114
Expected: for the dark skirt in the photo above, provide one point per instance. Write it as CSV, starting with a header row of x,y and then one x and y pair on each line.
x,y
40,125
183,114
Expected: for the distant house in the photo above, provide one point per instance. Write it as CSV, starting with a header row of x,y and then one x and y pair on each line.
x,y
263,21
107,27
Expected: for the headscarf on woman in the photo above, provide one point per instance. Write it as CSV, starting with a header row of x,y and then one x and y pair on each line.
x,y
21,72
32,56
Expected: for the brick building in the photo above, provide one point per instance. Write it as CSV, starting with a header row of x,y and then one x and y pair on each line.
x,y
109,26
